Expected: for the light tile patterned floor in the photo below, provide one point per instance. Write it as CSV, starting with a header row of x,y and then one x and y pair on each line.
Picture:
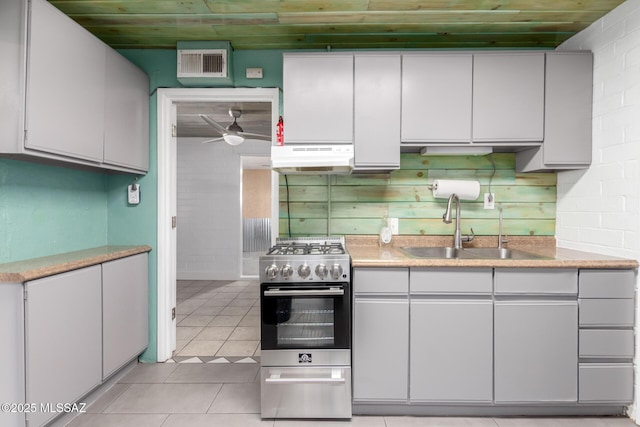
x,y
218,321
203,390
228,395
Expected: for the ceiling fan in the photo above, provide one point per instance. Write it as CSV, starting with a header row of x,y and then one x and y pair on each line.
x,y
233,133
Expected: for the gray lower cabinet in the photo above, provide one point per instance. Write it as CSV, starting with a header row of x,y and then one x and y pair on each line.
x,y
536,351
606,299
451,350
380,334
536,335
125,311
451,339
63,339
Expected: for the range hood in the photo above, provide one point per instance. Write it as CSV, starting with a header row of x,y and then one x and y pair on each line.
x,y
312,159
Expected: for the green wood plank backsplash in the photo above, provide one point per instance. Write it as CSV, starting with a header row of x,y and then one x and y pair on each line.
x,y
360,204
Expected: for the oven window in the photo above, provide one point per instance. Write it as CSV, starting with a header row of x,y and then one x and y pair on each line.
x,y
305,322
303,317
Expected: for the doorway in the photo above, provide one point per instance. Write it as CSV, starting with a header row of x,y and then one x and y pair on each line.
x,y
256,212
168,100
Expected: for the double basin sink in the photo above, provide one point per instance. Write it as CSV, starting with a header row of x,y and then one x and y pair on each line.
x,y
468,253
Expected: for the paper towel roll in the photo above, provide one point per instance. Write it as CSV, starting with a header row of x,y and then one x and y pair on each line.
x,y
465,190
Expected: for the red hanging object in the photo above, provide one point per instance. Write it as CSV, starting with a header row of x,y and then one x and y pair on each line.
x,y
280,132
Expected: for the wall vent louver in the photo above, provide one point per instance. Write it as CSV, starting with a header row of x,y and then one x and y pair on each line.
x,y
202,63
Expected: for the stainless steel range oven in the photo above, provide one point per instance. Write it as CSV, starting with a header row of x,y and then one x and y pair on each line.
x,y
305,297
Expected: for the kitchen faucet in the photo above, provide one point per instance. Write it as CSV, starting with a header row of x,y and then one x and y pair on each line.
x,y
446,218
500,238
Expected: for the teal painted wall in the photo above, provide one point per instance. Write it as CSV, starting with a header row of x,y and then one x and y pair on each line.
x,y
139,224
46,210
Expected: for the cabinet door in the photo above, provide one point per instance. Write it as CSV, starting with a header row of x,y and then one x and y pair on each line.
x,y
380,343
63,338
436,98
318,98
65,86
377,112
508,97
536,351
124,311
451,351
568,105
126,133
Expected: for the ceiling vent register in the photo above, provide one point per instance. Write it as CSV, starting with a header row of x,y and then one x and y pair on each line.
x,y
202,63
205,63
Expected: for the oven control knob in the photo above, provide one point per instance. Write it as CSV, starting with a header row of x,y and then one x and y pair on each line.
x,y
304,270
286,271
336,271
271,271
321,271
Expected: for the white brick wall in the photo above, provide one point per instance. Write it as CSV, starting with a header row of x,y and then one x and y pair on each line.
x,y
598,209
209,234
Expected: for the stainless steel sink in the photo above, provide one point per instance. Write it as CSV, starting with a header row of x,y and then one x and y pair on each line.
x,y
468,253
433,252
502,253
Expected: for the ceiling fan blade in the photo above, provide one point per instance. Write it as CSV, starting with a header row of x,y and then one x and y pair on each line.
x,y
213,140
250,135
217,126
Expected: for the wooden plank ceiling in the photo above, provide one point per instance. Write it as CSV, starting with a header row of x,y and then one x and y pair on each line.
x,y
339,24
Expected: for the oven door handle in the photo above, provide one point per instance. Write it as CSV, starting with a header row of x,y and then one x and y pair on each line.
x,y
302,293
304,380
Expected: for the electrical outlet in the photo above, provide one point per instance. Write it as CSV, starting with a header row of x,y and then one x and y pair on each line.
x,y
392,223
489,200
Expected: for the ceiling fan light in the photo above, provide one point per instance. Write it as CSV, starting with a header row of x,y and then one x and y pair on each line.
x,y
232,139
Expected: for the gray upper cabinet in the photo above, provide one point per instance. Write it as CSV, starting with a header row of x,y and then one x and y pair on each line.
x,y
568,115
125,311
70,98
318,98
508,97
436,98
63,339
377,111
66,90
126,114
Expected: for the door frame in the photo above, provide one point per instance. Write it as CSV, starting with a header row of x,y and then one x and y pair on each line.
x,y
166,243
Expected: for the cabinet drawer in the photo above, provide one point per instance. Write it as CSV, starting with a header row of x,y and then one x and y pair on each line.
x,y
606,312
605,382
381,280
607,283
535,281
606,343
451,281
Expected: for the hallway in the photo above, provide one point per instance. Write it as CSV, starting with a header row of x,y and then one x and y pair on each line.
x,y
217,321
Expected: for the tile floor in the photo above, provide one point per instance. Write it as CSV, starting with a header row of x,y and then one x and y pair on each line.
x,y
217,321
202,389
228,395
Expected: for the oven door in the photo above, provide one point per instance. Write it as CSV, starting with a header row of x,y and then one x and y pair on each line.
x,y
299,316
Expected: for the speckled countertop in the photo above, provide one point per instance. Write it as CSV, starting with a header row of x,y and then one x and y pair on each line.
x,y
36,268
366,251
